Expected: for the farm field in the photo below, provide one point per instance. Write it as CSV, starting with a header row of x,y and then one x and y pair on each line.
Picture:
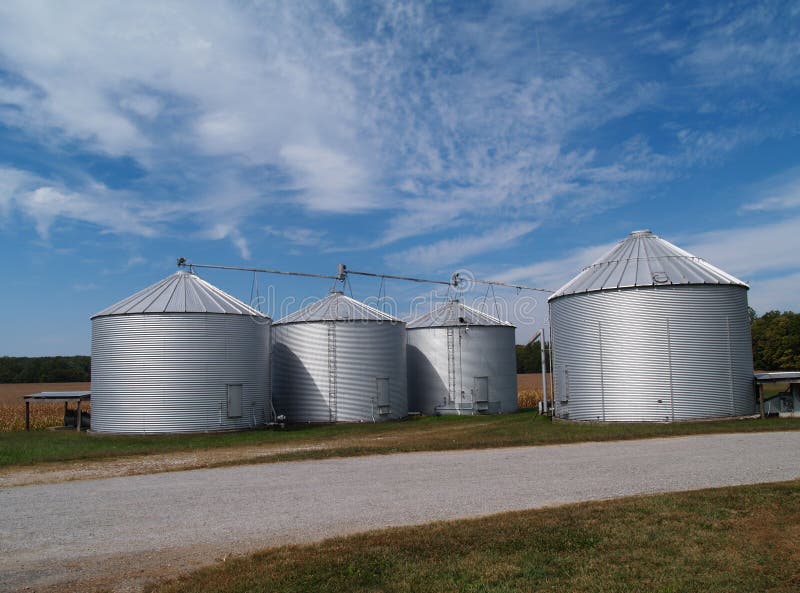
x,y
43,415
735,539
529,389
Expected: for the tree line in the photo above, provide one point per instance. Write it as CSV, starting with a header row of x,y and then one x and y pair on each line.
x,y
45,369
776,340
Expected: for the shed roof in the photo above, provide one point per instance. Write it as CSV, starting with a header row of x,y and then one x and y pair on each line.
x,y
336,307
455,313
59,396
778,377
182,292
644,259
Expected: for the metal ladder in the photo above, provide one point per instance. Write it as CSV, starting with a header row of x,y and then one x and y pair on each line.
x,y
332,372
451,365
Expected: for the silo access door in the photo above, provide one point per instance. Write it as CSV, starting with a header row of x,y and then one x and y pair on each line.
x,y
480,394
383,395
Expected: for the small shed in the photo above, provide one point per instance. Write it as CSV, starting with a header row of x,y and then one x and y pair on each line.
x,y
784,404
71,418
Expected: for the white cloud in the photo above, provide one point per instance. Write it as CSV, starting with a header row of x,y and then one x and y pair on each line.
x,y
135,260
46,204
456,250
228,230
779,293
781,192
553,274
263,84
303,237
11,183
435,122
146,106
85,287
750,251
331,181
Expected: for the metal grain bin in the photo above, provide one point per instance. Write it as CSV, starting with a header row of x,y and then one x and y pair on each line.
x,y
339,360
461,361
650,332
179,356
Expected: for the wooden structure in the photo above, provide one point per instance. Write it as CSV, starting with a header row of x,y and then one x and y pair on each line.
x,y
78,397
790,377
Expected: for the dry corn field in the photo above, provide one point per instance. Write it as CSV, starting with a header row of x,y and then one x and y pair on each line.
x,y
43,415
529,389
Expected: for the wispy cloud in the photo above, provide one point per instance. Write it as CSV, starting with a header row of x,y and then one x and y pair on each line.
x,y
775,293
750,251
781,192
552,274
303,237
457,249
437,118
757,43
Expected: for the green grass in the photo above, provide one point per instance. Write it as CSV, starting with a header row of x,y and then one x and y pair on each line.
x,y
426,434
740,539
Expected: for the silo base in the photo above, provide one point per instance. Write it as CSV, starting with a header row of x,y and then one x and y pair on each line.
x,y
469,409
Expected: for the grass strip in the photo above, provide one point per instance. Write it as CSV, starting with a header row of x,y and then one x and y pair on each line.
x,y
738,539
426,434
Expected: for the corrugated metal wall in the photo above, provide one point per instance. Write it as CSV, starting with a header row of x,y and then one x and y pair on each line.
x,y
159,373
312,359
653,354
477,352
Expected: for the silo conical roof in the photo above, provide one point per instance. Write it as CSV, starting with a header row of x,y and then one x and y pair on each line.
x,y
641,260
182,292
455,313
336,307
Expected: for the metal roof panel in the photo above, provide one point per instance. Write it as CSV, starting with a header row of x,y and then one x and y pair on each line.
x,y
455,313
182,292
336,307
644,259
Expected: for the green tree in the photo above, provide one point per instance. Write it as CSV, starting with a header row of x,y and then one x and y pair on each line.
x,y
776,341
45,369
529,358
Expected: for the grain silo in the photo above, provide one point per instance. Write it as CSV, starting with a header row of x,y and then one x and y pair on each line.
x,y
179,356
461,361
339,360
650,332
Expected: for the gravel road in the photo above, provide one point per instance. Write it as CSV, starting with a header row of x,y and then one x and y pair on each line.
x,y
121,532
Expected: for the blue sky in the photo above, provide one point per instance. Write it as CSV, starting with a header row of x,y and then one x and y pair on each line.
x,y
517,140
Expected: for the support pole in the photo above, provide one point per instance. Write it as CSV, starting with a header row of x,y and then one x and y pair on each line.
x,y
544,374
27,415
761,399
78,417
